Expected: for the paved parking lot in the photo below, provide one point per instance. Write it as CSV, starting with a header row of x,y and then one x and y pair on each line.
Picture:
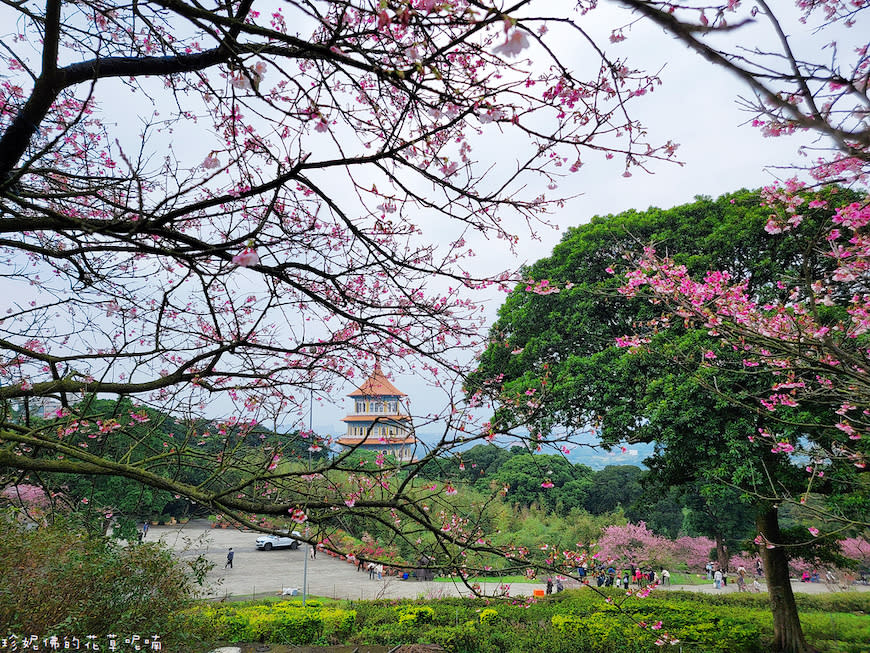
x,y
266,573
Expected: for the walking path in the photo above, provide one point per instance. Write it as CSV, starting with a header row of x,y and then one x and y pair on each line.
x,y
266,573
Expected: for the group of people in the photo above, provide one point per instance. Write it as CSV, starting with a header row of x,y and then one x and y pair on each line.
x,y
376,570
720,578
610,576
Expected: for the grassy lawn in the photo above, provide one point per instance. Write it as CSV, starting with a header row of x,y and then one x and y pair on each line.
x,y
681,578
489,579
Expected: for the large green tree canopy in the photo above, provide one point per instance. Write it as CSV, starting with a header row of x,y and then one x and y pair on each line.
x,y
559,359
564,346
556,360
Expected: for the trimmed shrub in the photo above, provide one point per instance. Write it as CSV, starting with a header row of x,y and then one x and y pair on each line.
x,y
415,614
277,622
455,639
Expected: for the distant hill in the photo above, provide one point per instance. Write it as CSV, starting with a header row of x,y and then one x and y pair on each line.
x,y
592,456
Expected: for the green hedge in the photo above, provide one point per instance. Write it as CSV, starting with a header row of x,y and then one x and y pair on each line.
x,y
276,622
856,602
575,622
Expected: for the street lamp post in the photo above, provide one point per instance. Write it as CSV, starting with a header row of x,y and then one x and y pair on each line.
x,y
308,552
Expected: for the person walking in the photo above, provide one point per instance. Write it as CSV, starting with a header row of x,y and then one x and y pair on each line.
x,y
379,569
230,556
666,577
717,579
741,579
144,529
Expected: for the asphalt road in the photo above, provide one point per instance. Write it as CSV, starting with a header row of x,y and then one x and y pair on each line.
x,y
266,573
259,573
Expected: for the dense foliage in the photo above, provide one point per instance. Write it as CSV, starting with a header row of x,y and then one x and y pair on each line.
x,y
563,350
58,579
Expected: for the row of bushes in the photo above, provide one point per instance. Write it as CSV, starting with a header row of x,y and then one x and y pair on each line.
x,y
848,602
569,622
573,621
277,622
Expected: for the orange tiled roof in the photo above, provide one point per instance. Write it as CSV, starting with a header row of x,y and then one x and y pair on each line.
x,y
377,385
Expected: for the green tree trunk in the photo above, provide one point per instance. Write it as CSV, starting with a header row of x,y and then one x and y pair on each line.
x,y
788,637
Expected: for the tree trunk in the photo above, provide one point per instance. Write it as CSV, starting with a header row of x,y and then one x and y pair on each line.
x,y
722,556
787,634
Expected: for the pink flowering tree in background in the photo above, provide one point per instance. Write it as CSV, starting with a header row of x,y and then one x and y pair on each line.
x,y
32,500
857,549
212,215
635,545
693,551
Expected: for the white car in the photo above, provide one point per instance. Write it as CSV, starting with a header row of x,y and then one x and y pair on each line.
x,y
269,542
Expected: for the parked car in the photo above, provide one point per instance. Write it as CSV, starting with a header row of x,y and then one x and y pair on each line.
x,y
269,542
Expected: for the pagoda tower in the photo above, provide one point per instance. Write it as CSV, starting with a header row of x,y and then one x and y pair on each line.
x,y
377,422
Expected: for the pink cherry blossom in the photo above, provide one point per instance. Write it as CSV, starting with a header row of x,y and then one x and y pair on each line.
x,y
210,162
515,43
247,258
298,515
